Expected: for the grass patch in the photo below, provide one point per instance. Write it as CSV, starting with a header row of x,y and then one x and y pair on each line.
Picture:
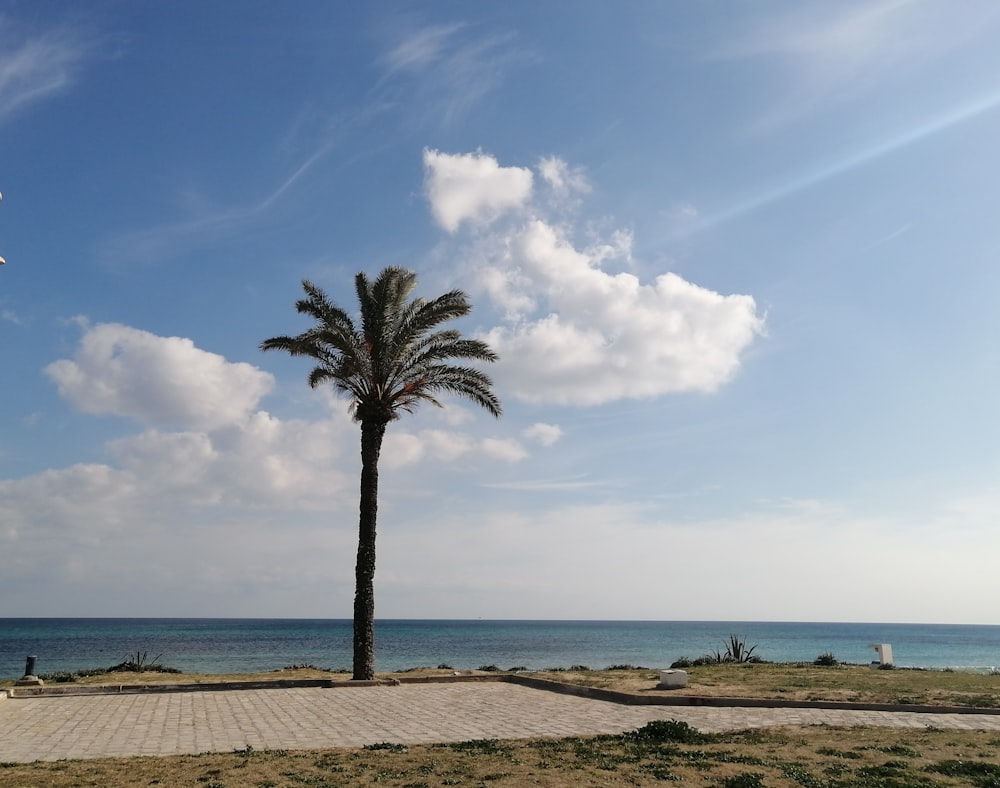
x,y
804,681
809,757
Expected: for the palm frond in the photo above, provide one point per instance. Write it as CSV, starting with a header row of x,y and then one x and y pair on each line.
x,y
394,359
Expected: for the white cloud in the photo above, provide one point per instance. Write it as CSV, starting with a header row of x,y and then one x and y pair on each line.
x,y
506,449
565,181
421,48
572,332
445,70
832,53
264,462
402,448
472,187
843,39
37,67
545,434
82,504
161,381
608,336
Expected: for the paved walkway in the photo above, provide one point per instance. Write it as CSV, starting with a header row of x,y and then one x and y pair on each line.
x,y
53,728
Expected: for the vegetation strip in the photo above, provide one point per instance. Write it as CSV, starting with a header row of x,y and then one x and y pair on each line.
x,y
664,751
595,693
721,701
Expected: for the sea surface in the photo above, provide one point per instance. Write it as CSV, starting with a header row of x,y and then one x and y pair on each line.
x,y
213,645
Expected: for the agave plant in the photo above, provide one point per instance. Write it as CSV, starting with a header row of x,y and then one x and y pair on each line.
x,y
737,650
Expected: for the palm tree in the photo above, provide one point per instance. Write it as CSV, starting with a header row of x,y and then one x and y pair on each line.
x,y
394,361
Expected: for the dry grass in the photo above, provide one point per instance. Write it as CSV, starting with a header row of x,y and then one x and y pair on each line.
x,y
820,757
752,680
805,682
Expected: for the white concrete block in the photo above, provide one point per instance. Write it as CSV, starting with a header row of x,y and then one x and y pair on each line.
x,y
673,679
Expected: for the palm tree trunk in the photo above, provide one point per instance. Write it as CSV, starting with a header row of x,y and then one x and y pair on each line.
x,y
364,574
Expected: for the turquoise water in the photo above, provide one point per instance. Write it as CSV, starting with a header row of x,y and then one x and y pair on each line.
x,y
245,645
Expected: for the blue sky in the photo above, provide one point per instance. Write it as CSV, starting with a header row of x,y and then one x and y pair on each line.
x,y
739,262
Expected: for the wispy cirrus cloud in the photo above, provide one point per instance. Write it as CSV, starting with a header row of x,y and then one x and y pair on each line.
x,y
35,67
448,68
828,53
210,224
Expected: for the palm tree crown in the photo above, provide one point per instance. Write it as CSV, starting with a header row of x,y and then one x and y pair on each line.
x,y
395,360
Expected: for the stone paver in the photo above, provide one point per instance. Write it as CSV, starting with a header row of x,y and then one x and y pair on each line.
x,y
53,728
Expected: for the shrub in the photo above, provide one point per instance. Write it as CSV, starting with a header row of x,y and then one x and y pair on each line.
x,y
445,666
62,677
490,668
659,731
384,745
683,662
140,663
826,659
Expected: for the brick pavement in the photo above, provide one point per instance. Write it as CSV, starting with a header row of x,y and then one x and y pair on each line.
x,y
53,728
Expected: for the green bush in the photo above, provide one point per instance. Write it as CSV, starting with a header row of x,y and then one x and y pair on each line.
x,y
384,745
659,731
61,677
826,659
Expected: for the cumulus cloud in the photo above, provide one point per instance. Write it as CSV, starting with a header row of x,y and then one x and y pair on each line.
x,y
506,449
402,448
605,336
561,178
265,462
472,187
160,381
545,434
574,331
82,504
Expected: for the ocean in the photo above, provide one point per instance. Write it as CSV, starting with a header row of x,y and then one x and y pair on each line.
x,y
212,645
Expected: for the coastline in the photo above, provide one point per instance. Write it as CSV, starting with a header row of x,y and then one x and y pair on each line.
x,y
254,645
